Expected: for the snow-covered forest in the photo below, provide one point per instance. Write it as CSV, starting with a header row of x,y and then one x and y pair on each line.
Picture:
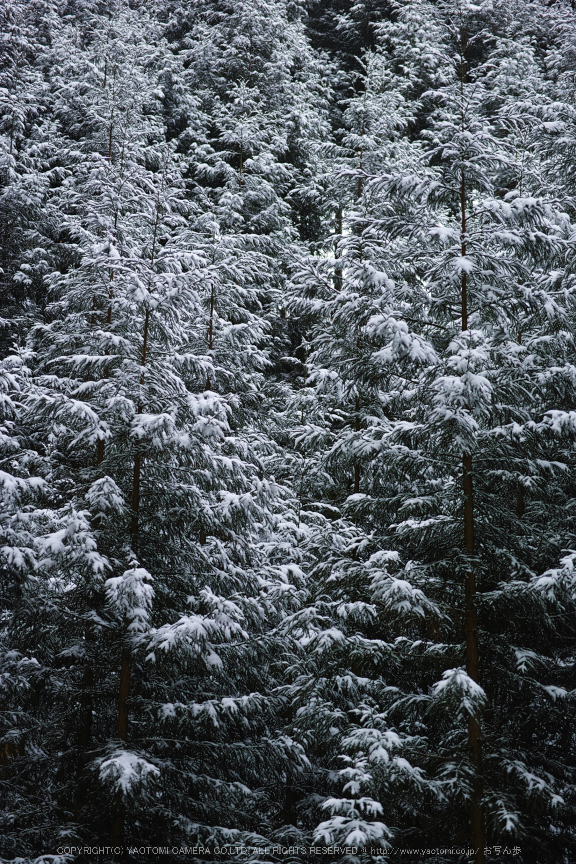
x,y
288,431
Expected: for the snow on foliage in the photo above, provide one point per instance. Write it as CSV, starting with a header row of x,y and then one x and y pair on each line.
x,y
287,425
125,771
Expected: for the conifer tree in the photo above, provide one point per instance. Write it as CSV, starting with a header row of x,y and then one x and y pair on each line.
x,y
287,426
25,154
438,328
139,399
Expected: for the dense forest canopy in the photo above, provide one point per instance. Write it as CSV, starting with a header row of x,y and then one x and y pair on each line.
x,y
288,431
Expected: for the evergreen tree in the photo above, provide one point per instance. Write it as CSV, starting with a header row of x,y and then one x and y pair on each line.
x,y
427,351
25,154
139,399
287,427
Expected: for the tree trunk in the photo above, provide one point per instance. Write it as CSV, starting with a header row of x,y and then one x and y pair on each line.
x,y
208,381
337,264
241,159
100,444
118,821
84,737
520,501
357,464
289,797
124,695
119,808
134,521
362,133
472,664
100,452
210,332
135,500
464,286
477,828
112,118
119,817
10,751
